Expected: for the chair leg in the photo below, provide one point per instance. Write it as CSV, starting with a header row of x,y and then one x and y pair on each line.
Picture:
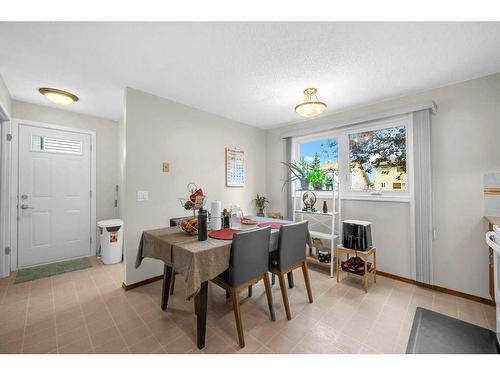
x,y
237,316
250,291
284,294
172,284
269,295
273,279
305,271
289,276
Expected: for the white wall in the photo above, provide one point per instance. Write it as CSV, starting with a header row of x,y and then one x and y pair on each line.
x,y
106,148
5,112
121,168
5,100
193,142
465,145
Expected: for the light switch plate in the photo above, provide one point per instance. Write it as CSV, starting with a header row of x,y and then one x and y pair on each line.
x,y
142,195
166,167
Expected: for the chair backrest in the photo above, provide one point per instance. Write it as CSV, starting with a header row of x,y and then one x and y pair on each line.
x,y
292,244
249,256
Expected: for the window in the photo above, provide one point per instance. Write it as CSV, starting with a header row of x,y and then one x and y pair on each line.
x,y
321,156
377,159
371,160
59,145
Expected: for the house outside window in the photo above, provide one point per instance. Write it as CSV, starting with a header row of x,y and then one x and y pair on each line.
x,y
377,159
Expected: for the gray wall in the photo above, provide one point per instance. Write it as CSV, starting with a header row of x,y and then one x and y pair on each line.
x,y
465,145
193,142
106,148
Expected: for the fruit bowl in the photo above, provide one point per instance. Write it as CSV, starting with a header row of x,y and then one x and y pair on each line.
x,y
190,226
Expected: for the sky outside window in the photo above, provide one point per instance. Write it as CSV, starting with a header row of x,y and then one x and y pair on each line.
x,y
327,150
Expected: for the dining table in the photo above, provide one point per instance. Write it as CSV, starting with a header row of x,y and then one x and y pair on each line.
x,y
197,261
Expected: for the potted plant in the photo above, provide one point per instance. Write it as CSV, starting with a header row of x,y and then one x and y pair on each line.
x,y
261,203
299,171
316,177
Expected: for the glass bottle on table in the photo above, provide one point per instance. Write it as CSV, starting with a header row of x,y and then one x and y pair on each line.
x,y
235,217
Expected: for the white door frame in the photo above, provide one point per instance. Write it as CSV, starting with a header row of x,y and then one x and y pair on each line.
x,y
14,178
4,191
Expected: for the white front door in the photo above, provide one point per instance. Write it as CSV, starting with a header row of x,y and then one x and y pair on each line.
x,y
54,195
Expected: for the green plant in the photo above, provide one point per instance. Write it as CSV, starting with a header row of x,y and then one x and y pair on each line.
x,y
261,202
299,171
316,176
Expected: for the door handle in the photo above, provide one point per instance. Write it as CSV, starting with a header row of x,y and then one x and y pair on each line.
x,y
26,207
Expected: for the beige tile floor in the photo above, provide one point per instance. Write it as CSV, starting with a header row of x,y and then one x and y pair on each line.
x,y
87,311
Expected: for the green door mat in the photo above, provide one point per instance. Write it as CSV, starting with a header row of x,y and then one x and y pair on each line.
x,y
47,270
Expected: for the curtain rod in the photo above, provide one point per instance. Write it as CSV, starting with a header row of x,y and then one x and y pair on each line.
x,y
324,124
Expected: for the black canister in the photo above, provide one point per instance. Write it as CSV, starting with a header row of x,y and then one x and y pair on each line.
x,y
225,219
202,225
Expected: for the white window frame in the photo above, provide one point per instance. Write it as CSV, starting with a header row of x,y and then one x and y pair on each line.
x,y
342,135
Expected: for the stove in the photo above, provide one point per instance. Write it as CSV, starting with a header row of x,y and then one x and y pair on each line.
x,y
493,241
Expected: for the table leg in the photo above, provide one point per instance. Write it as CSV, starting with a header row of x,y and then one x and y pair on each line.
x,y
366,275
289,275
200,304
374,266
167,278
337,265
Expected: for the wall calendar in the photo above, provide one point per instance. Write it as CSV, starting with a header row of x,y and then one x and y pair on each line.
x,y
235,167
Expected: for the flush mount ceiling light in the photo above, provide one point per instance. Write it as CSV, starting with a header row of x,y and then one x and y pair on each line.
x,y
311,106
58,96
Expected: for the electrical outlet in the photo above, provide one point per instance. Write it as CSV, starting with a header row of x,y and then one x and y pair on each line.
x,y
166,167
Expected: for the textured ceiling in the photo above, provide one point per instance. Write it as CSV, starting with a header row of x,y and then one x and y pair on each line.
x,y
250,72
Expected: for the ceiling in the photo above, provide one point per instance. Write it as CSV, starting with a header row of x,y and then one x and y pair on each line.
x,y
250,72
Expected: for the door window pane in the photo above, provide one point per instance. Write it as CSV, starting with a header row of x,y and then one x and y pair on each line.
x,y
51,144
377,159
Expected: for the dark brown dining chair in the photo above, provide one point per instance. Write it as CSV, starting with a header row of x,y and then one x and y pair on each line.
x,y
248,264
291,254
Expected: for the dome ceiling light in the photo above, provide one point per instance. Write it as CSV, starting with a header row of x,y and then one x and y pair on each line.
x,y
311,106
58,96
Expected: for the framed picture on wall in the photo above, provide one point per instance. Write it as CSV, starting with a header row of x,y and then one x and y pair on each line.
x,y
235,167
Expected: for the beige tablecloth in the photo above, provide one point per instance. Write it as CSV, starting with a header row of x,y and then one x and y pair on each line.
x,y
197,261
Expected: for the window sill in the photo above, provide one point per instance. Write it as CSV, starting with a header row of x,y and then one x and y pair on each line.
x,y
385,197
376,197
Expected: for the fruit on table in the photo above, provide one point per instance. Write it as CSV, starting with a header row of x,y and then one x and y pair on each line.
x,y
190,225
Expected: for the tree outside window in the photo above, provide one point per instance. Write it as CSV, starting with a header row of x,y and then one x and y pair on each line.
x,y
377,159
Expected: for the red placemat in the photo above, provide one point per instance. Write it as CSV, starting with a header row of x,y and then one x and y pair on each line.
x,y
222,234
272,224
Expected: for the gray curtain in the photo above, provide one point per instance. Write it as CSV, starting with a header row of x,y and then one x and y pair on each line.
x,y
288,189
422,211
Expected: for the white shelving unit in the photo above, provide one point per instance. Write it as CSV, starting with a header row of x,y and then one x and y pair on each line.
x,y
325,229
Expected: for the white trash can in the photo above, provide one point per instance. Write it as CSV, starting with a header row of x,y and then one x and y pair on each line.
x,y
111,240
